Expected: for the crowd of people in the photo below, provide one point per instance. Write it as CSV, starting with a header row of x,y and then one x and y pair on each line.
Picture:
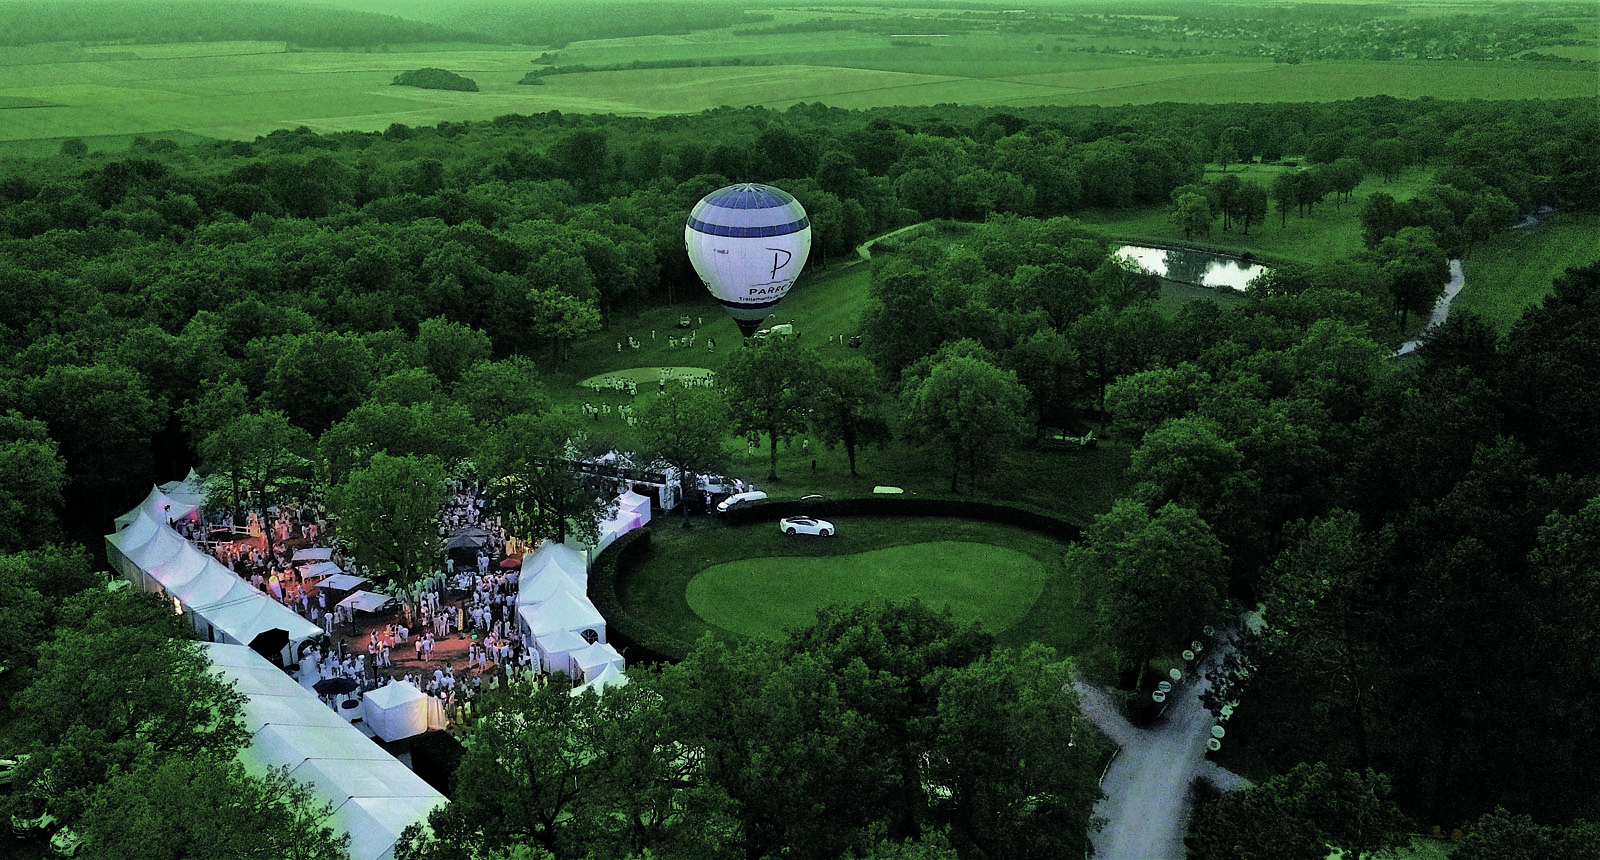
x,y
454,636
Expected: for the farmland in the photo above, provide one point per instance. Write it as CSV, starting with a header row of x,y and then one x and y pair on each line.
x,y
106,93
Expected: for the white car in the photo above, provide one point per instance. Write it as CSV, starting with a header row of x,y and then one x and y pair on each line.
x,y
739,500
805,526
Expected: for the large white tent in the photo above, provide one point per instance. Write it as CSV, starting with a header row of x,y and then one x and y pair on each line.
x,y
220,606
398,710
374,797
635,504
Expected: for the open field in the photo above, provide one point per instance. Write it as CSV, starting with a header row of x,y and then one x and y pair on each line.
x,y
1512,271
762,597
1330,232
240,89
666,583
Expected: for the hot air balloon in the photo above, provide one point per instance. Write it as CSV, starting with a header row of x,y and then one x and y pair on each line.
x,y
748,243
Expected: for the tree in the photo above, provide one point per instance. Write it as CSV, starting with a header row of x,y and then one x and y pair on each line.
x,y
1015,756
1157,578
34,587
1250,204
32,475
449,349
1304,814
319,377
1192,213
1500,835
561,318
443,430
165,809
1233,145
1380,218
492,390
769,386
254,461
1141,402
537,489
533,761
849,406
1388,157
685,428
117,683
103,419
388,511
1417,270
1285,193
894,655
967,409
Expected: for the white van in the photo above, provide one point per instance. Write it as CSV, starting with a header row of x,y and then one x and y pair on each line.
x,y
739,500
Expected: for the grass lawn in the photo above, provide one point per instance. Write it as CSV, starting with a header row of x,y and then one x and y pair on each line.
x,y
1512,271
725,580
762,597
1331,232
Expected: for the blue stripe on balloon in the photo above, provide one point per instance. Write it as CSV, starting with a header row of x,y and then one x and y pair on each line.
x,y
748,232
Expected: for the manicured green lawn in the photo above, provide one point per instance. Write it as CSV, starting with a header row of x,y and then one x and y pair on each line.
x,y
754,580
763,597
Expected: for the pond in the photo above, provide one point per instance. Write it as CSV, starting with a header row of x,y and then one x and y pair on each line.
x,y
1193,267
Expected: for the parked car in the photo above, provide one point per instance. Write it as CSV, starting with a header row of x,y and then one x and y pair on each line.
x,y
739,500
805,526
66,843
9,768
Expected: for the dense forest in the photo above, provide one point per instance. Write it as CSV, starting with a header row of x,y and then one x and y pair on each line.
x,y
1422,535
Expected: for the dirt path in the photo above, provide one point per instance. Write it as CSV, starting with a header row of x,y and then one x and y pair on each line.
x,y
1146,806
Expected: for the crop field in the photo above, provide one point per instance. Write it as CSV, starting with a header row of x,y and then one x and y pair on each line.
x,y
234,89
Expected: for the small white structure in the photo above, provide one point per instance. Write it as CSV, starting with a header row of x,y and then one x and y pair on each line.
x,y
398,710
610,676
593,660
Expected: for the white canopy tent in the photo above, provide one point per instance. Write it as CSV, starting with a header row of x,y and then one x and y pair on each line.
x,y
398,710
611,676
636,504
312,553
190,491
219,605
366,601
591,660
319,569
342,582
558,557
556,650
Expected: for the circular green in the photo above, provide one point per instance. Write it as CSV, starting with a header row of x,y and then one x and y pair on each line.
x,y
763,596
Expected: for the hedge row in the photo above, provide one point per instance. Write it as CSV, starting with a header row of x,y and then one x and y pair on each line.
x,y
646,644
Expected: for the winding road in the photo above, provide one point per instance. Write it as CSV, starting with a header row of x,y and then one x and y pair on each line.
x,y
1146,804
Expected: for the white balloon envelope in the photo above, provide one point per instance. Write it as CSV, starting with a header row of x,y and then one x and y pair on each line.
x,y
748,243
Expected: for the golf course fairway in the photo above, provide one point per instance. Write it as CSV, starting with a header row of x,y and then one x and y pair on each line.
x,y
763,596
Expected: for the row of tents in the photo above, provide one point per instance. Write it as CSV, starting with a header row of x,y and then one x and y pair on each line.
x,y
554,608
147,551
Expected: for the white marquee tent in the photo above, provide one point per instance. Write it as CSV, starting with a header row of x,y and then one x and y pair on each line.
x,y
611,676
220,606
374,797
556,650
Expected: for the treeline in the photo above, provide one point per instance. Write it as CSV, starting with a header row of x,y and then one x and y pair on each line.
x,y
576,68
300,25
561,23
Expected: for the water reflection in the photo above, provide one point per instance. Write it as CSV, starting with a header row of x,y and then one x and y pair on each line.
x,y
1193,267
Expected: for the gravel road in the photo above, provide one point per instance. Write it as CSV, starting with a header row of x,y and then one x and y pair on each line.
x,y
1146,806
